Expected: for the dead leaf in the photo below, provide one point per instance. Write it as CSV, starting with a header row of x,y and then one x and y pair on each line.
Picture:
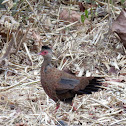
x,y
21,124
81,6
119,26
119,79
3,99
8,23
62,123
113,70
37,40
123,74
67,70
8,3
69,15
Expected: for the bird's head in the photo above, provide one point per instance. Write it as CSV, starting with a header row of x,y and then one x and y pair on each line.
x,y
46,52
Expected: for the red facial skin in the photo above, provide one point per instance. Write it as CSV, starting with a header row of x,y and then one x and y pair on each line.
x,y
43,53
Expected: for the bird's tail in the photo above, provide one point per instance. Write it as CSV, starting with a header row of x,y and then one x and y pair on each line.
x,y
94,85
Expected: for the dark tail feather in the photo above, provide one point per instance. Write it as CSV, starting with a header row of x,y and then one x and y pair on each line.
x,y
94,86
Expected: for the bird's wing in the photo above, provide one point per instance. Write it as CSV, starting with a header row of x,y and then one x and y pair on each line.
x,y
67,83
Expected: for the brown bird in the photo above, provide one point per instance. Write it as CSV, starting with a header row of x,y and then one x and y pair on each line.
x,y
62,86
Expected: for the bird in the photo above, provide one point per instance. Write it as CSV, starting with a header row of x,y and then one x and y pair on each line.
x,y
62,86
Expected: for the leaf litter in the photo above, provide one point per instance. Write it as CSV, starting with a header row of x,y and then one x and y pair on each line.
x,y
81,49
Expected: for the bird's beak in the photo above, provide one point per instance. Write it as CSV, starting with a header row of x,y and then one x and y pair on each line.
x,y
40,53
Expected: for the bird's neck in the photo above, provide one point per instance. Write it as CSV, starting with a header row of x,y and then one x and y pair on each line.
x,y
47,62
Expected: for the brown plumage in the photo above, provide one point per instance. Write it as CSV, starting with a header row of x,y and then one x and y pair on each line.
x,y
63,86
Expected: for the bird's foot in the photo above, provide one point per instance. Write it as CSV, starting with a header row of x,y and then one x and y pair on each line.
x,y
57,107
74,108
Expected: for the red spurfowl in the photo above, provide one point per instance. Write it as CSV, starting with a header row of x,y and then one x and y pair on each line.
x,y
62,86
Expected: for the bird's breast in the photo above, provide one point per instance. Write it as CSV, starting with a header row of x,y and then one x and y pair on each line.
x,y
49,83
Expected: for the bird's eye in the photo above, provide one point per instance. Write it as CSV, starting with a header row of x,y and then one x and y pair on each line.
x,y
44,52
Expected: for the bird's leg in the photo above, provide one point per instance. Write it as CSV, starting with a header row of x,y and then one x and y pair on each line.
x,y
57,105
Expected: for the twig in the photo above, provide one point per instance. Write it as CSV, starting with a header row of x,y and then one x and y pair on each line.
x,y
18,84
13,40
36,17
118,121
26,48
100,103
3,60
103,3
24,37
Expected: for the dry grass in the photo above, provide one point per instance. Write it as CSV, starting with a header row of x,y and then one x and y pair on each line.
x,y
22,99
